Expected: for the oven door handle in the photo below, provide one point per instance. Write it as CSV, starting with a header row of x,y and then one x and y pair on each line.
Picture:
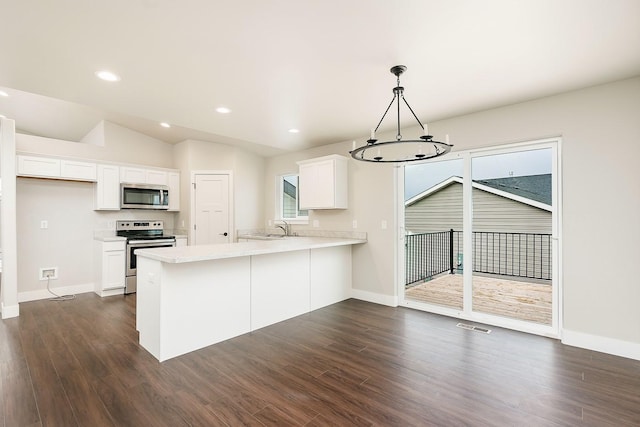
x,y
150,242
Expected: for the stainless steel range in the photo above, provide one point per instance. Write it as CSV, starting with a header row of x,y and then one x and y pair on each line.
x,y
141,234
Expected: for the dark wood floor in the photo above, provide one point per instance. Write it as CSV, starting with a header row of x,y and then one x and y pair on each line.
x,y
354,363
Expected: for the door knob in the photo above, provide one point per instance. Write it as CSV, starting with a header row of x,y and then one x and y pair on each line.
x,y
223,234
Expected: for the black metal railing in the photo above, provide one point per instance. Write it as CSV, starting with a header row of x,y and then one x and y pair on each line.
x,y
526,255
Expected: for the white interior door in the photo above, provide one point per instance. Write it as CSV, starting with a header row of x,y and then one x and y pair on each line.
x,y
212,213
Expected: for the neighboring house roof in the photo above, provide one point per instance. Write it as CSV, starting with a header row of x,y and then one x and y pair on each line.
x,y
533,190
534,187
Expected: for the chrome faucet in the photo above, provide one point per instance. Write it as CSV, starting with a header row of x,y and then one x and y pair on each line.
x,y
286,227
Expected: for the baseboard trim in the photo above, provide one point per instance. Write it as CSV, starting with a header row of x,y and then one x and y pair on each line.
x,y
628,349
62,290
9,311
391,301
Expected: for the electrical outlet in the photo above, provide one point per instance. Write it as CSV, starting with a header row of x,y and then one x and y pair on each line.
x,y
383,224
316,223
355,224
44,224
49,273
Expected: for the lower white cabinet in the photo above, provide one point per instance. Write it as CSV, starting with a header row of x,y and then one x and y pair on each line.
x,y
110,266
181,241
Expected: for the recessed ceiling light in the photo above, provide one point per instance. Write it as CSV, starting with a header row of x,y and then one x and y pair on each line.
x,y
107,76
3,93
293,130
165,125
223,110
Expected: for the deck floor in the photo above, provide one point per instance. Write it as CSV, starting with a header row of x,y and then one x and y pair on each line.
x,y
508,298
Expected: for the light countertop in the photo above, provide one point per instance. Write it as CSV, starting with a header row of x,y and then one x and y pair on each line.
x,y
185,254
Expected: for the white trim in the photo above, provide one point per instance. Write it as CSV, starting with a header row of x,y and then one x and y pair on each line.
x,y
602,344
376,298
8,234
9,311
279,194
433,189
62,290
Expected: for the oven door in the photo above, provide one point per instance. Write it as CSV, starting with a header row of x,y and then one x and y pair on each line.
x,y
132,246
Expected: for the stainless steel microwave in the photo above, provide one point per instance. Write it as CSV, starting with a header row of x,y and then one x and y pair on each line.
x,y
144,196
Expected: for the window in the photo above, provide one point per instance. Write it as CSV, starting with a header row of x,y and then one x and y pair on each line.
x,y
289,206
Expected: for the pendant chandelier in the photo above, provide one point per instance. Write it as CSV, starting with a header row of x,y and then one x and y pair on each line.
x,y
400,150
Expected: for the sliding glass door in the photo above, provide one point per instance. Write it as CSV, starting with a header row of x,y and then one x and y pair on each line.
x,y
480,232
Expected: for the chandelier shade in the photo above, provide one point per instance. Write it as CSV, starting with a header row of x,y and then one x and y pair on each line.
x,y
400,150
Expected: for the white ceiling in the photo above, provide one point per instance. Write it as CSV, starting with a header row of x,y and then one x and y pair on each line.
x,y
321,66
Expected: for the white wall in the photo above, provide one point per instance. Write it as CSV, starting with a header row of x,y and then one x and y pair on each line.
x,y
248,173
119,145
601,133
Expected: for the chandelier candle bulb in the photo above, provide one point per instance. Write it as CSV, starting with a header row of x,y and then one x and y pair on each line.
x,y
353,146
426,129
446,138
373,134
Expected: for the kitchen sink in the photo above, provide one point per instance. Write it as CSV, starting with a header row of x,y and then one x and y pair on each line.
x,y
263,236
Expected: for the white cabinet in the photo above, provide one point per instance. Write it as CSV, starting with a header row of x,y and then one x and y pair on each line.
x,y
84,171
54,168
181,241
143,176
107,189
110,261
323,183
133,175
174,191
38,166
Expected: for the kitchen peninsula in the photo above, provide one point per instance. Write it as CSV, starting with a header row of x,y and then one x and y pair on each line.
x,y
193,296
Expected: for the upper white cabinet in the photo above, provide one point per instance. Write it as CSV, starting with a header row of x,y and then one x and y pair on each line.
x,y
49,167
38,166
323,183
107,190
143,176
174,191
71,169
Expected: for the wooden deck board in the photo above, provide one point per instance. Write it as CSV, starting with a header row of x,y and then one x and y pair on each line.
x,y
508,298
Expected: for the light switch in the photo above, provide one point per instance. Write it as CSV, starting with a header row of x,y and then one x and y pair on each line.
x,y
355,224
383,224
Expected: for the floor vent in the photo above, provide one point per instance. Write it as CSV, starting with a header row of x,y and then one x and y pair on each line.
x,y
473,328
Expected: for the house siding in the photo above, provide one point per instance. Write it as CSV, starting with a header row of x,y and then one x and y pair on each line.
x,y
442,211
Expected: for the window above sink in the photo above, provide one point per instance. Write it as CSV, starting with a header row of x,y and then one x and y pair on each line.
x,y
288,200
